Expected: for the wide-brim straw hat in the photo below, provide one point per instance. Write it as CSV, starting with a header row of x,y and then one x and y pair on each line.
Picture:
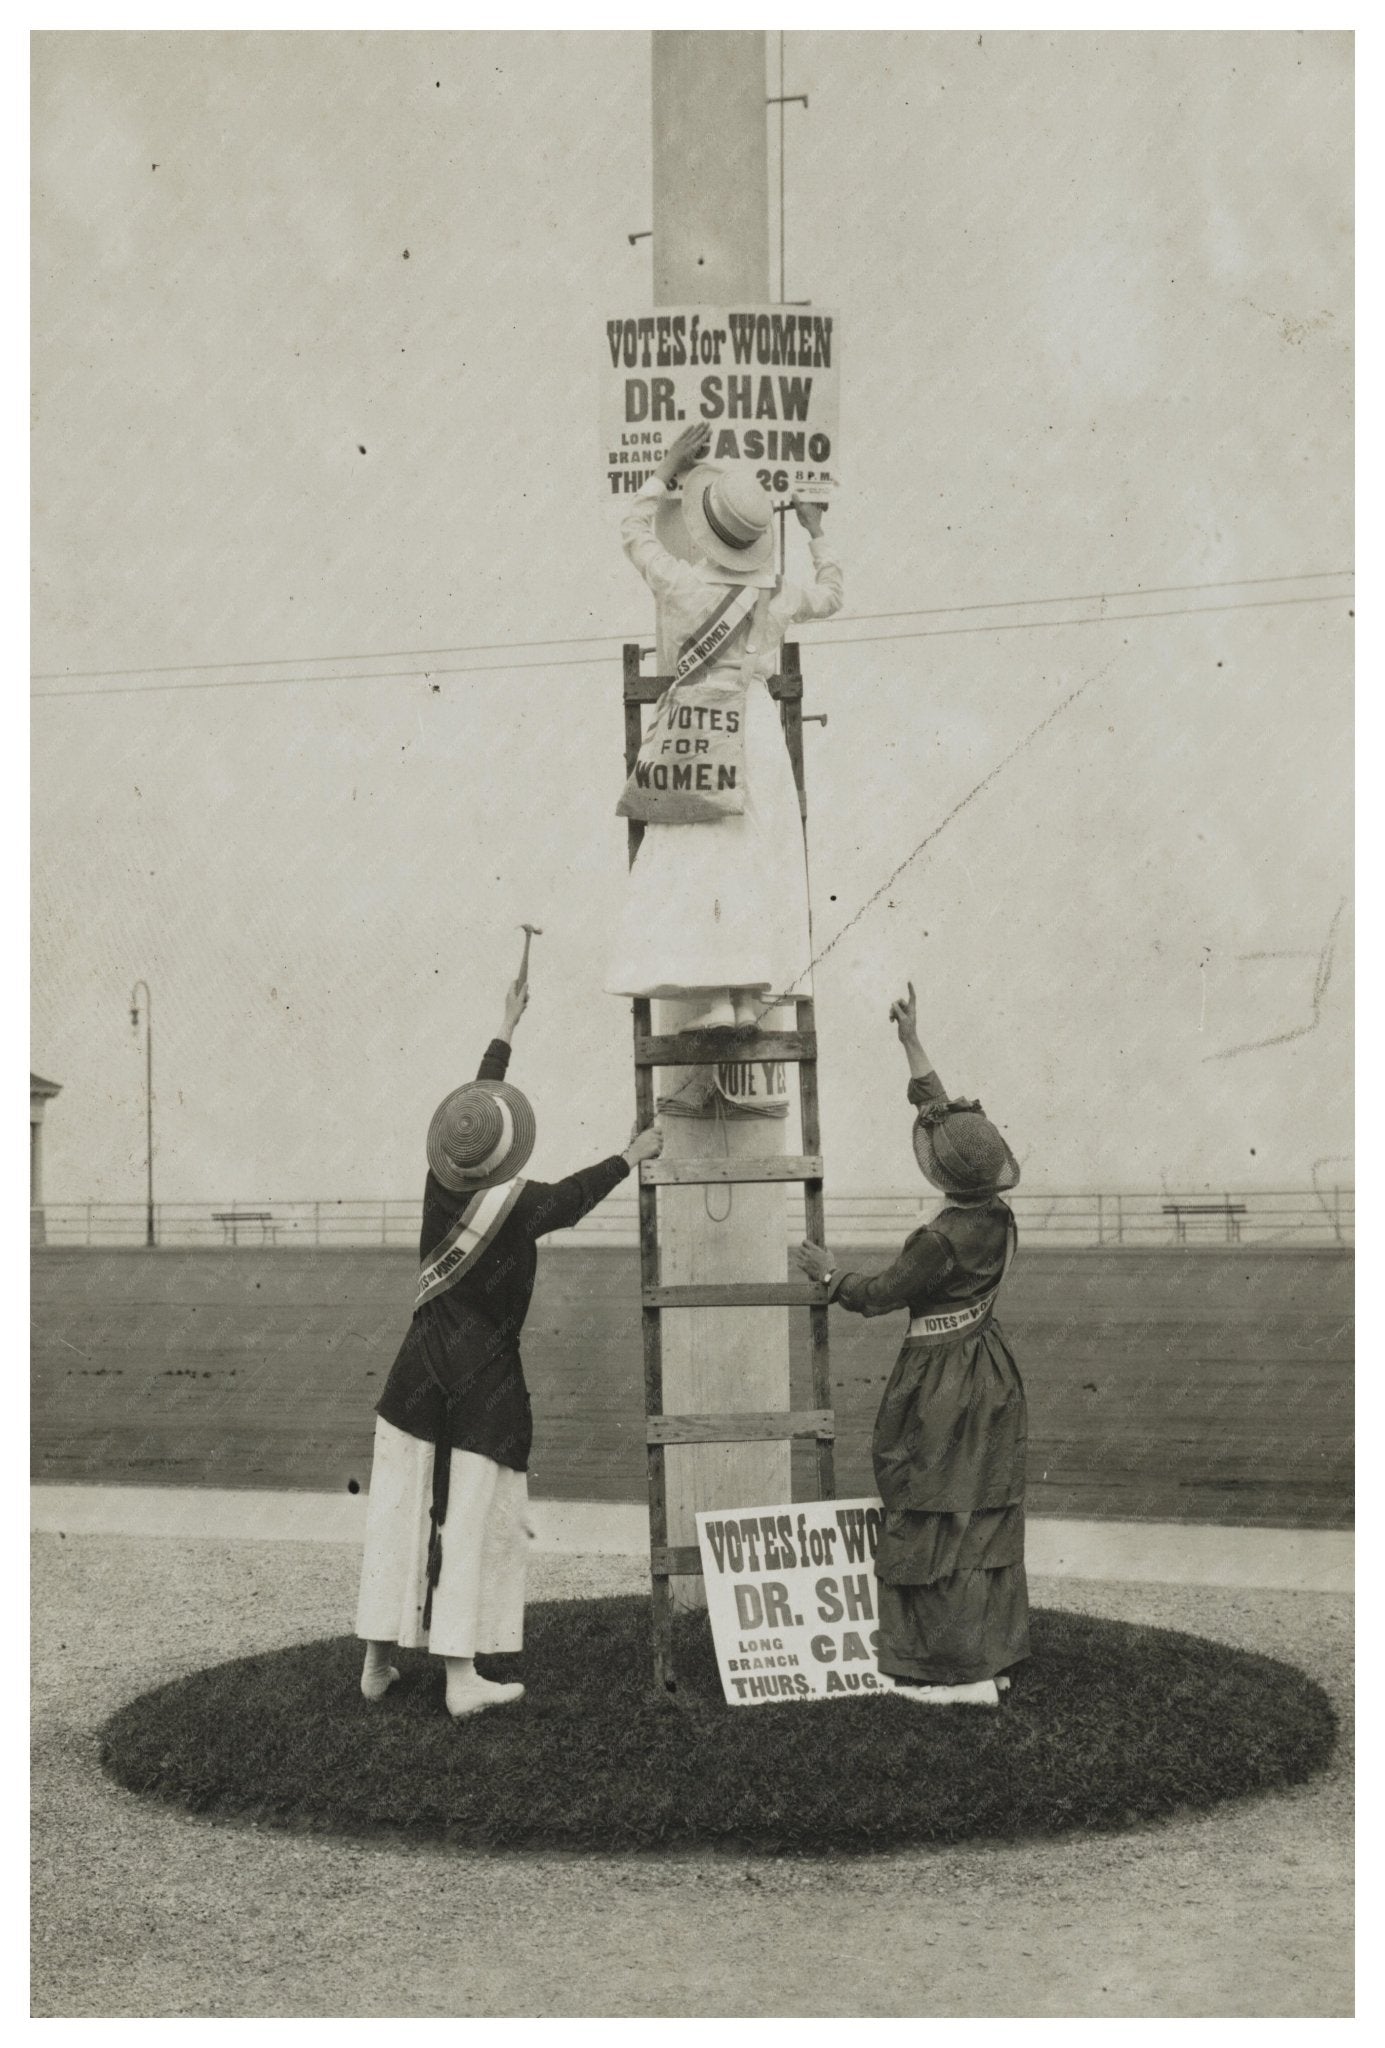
x,y
960,1150
480,1135
729,517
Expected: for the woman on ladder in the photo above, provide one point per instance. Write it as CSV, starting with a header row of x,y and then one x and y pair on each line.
x,y
718,911
949,1443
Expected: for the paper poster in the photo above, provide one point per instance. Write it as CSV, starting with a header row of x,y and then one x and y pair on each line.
x,y
764,378
791,1596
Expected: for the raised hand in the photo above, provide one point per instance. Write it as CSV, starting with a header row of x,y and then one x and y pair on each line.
x,y
516,1003
808,515
685,451
904,1016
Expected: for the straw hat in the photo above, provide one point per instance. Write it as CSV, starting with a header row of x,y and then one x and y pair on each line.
x,y
729,517
960,1150
480,1135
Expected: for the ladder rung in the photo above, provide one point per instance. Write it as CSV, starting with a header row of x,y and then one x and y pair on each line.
x,y
740,1429
677,1173
669,1559
649,689
737,1294
717,1048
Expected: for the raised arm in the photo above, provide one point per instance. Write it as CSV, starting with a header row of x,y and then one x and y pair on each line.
x,y
496,1058
495,1061
825,595
924,1085
927,1257
665,573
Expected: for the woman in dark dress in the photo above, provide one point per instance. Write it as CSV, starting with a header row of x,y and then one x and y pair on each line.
x,y
447,1518
949,1444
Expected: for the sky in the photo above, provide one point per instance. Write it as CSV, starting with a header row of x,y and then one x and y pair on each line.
x,y
318,323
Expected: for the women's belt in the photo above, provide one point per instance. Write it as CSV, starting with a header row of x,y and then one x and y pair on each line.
x,y
959,1319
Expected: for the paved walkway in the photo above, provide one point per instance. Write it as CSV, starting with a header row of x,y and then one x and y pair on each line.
x,y
1162,1553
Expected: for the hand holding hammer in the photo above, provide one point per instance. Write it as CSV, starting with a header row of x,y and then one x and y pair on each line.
x,y
517,995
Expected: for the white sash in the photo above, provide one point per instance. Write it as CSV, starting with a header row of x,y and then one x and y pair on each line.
x,y
958,1319
473,1231
950,1323
716,632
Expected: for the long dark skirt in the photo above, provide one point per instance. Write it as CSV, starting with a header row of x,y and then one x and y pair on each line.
x,y
954,1607
949,1458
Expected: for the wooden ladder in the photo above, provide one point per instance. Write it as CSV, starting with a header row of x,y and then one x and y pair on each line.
x,y
704,1049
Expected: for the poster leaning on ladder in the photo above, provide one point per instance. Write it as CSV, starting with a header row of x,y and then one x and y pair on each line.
x,y
791,1600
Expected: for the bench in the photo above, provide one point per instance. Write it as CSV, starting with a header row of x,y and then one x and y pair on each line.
x,y
1180,1211
231,1220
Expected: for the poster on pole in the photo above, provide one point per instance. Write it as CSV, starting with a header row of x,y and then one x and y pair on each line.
x,y
764,378
791,1597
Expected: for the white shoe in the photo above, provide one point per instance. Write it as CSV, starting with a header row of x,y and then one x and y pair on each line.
x,y
982,1694
377,1679
479,1693
719,1015
746,1009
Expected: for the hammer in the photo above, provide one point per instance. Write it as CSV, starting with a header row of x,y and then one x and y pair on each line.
x,y
530,931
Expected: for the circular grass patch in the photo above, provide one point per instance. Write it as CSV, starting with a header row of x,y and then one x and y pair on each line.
x,y
1106,1725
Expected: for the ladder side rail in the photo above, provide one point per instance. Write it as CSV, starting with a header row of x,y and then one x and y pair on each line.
x,y
634,732
651,1331
651,1339
791,718
791,711
815,1220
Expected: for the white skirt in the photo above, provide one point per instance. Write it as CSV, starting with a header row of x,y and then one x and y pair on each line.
x,y
478,1603
725,905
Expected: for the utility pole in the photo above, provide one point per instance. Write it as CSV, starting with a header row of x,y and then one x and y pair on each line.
x,y
711,247
711,168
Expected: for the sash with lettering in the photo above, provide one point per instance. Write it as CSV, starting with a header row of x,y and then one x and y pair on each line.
x,y
956,1322
690,769
470,1236
474,1231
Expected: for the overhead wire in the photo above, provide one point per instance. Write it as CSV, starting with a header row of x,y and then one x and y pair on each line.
x,y
997,604
596,660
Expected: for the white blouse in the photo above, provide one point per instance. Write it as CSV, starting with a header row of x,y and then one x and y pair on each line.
x,y
686,591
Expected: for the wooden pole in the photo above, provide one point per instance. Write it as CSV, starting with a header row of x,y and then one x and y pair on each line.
x,y
711,247
711,168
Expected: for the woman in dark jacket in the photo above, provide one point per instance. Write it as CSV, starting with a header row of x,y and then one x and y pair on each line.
x,y
447,1519
949,1444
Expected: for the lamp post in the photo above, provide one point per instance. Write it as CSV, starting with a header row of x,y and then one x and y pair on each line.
x,y
148,1100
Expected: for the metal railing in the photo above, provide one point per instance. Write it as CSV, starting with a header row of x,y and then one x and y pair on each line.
x,y
1296,1217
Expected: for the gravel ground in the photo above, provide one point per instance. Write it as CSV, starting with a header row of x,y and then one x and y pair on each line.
x,y
140,1911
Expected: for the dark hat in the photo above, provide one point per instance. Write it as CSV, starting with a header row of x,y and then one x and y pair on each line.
x,y
480,1135
960,1150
